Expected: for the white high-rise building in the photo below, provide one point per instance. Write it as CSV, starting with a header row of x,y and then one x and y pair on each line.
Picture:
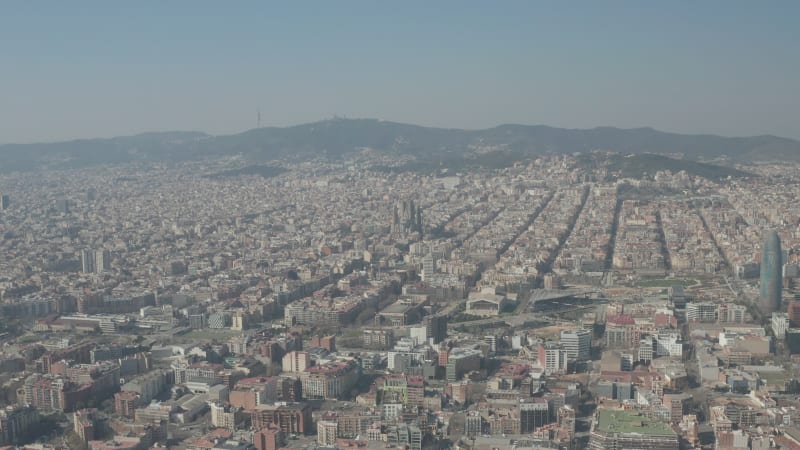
x,y
668,343
326,432
295,362
492,342
577,343
780,323
646,348
102,260
224,416
732,313
552,358
87,261
428,267
701,312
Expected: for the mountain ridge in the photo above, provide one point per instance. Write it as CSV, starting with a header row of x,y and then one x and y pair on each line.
x,y
335,138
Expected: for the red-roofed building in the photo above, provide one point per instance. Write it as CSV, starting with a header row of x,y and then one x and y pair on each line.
x,y
621,319
250,392
793,311
269,438
210,440
125,403
665,320
293,418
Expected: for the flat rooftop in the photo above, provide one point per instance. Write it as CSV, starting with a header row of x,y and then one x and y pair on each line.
x,y
398,308
619,421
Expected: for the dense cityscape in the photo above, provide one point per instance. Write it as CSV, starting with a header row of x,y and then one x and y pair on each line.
x,y
353,304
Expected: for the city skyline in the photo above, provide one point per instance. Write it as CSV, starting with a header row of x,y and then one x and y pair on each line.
x,y
396,253
182,301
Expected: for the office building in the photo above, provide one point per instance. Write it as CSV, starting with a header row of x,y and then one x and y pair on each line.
x,y
780,323
701,312
197,321
102,261
677,296
87,261
17,424
552,358
668,343
771,274
428,267
461,361
295,362
533,414
647,348
578,344
732,313
436,328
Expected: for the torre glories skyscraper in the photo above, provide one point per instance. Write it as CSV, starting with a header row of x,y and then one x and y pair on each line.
x,y
771,273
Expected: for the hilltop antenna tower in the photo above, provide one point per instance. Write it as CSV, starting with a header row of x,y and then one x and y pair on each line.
x,y
258,118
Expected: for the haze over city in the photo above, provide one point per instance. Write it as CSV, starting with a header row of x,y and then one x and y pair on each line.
x,y
413,226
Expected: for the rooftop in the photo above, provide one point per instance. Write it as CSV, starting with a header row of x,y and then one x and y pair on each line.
x,y
619,421
399,307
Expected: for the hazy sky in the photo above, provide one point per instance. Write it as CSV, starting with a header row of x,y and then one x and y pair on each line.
x,y
101,68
